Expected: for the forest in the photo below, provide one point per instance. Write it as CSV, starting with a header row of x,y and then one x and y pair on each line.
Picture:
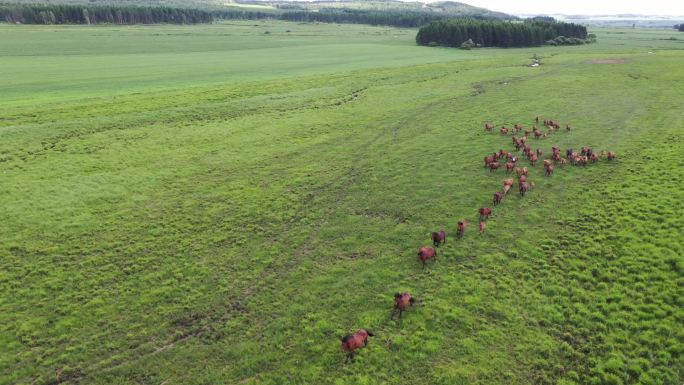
x,y
496,33
100,14
129,14
405,19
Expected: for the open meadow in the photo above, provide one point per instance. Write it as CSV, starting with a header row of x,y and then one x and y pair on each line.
x,y
220,204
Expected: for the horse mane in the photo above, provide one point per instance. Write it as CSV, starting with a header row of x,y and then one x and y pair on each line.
x,y
346,338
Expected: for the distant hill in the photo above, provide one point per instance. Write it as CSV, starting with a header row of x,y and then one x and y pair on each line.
x,y
374,12
445,8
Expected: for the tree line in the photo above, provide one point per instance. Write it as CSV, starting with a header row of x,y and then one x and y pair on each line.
x,y
130,14
404,19
497,33
99,14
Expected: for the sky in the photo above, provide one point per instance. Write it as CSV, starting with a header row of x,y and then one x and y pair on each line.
x,y
583,7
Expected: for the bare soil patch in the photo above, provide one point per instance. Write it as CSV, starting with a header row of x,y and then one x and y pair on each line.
x,y
607,61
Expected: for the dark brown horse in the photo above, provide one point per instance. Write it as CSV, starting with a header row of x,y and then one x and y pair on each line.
x,y
460,230
352,342
439,238
523,188
498,196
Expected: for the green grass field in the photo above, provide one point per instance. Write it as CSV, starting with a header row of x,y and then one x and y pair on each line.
x,y
217,205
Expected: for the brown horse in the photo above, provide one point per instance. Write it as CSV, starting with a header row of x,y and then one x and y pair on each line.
x,y
438,238
549,170
483,226
401,302
510,166
533,159
425,253
611,155
352,342
493,166
460,230
485,212
497,197
489,126
523,188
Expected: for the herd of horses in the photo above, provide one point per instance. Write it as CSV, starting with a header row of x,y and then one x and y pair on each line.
x,y
352,342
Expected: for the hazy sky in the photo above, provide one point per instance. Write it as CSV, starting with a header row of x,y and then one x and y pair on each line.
x,y
650,7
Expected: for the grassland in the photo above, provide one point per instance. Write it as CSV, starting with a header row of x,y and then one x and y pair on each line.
x,y
211,204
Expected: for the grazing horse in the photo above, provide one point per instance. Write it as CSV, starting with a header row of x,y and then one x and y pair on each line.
x,y
522,178
510,166
488,160
503,130
594,158
439,238
483,226
547,162
523,188
462,224
489,126
583,160
549,169
425,253
563,162
507,184
533,159
352,342
539,152
485,212
567,127
568,152
493,166
401,302
497,197
611,155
